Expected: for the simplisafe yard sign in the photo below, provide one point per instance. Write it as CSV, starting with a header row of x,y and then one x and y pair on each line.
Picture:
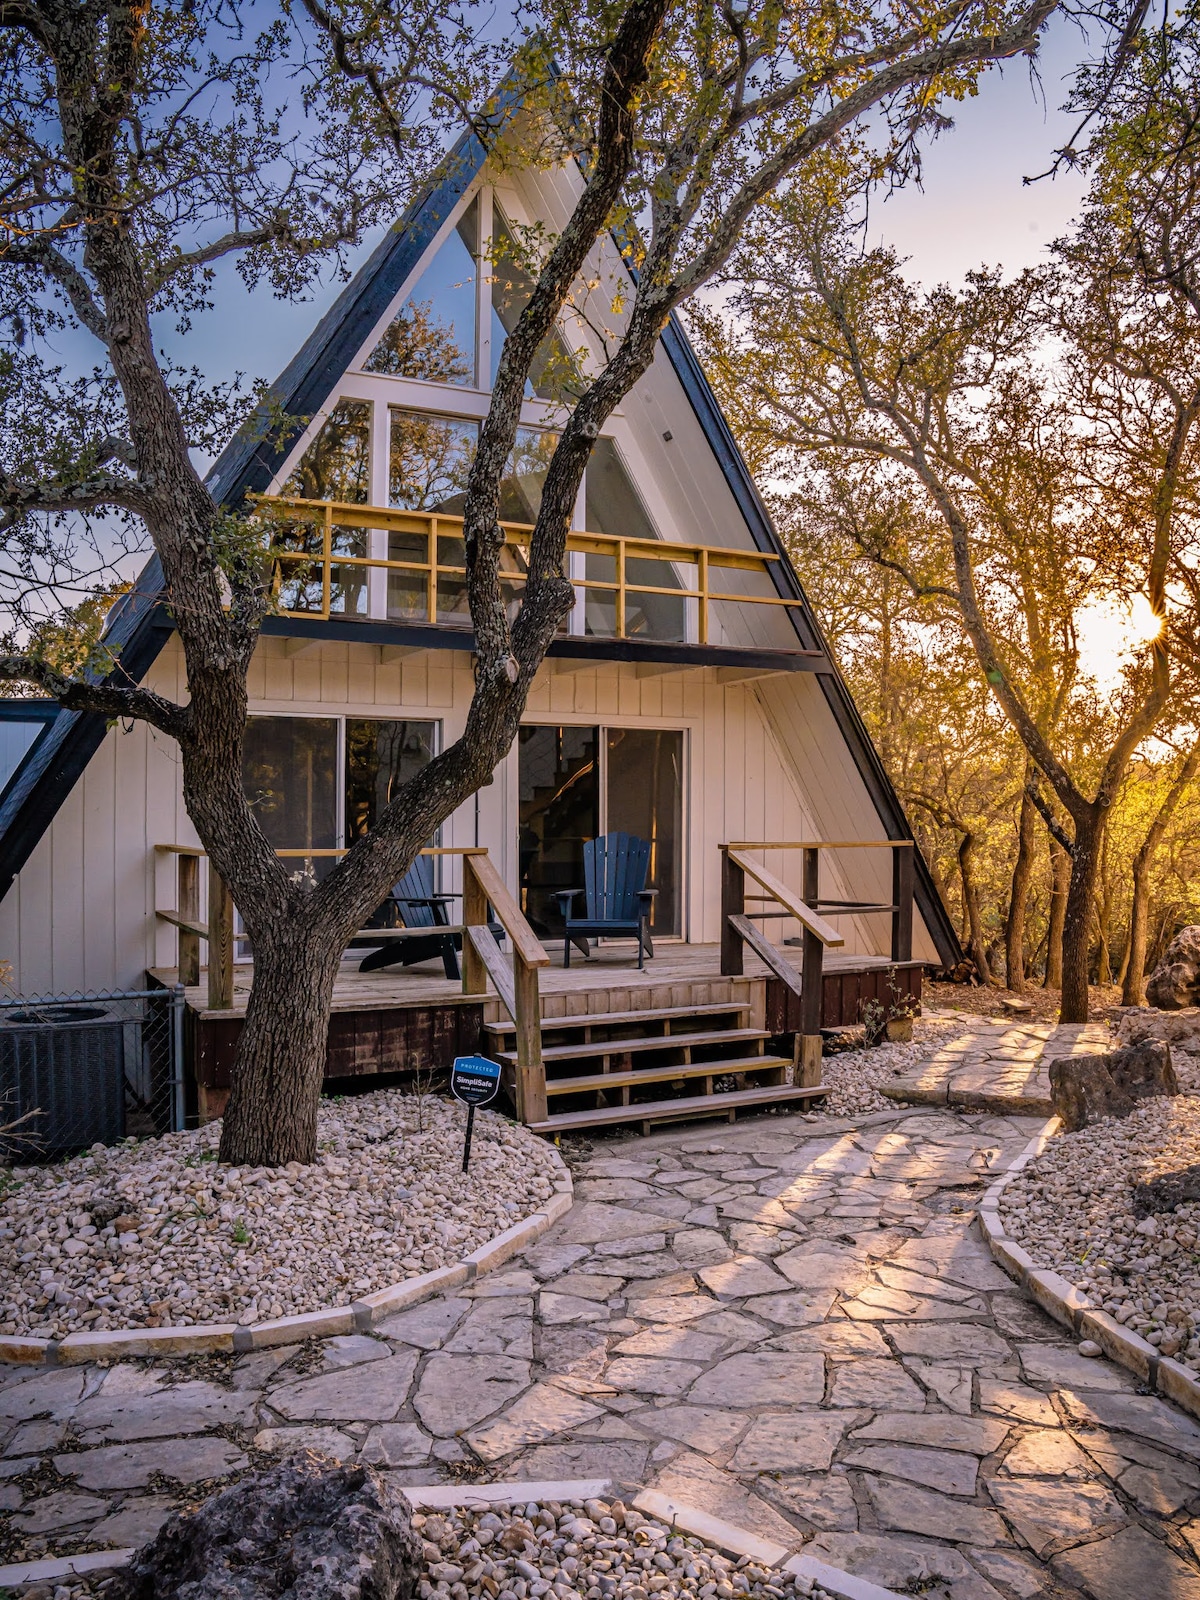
x,y
474,1080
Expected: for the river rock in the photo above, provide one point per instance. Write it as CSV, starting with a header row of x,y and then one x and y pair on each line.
x,y
1084,1089
1175,982
307,1529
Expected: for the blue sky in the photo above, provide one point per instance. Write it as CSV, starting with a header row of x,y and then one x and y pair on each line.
x,y
972,208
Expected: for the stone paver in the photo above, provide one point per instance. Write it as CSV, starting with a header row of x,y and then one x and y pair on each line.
x,y
999,1068
794,1326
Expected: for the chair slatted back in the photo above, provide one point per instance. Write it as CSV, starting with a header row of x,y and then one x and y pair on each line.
x,y
417,885
614,874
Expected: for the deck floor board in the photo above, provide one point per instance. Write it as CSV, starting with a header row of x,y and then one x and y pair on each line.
x,y
675,970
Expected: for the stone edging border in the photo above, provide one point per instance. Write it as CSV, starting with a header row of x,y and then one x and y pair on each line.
x,y
723,1536
1070,1306
358,1317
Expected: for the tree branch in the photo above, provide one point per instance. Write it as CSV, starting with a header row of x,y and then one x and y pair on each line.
x,y
109,700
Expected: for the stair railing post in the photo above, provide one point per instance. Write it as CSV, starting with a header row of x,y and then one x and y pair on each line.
x,y
733,904
902,900
187,904
531,1070
474,973
220,942
812,982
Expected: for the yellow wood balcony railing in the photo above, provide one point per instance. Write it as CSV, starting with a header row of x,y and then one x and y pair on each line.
x,y
322,562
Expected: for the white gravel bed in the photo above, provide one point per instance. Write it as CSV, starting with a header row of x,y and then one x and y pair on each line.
x,y
1072,1210
854,1076
583,1550
155,1232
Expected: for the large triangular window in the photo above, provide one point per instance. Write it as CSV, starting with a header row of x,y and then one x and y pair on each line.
x,y
433,335
553,374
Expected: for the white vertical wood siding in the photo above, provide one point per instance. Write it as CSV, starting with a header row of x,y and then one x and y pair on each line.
x,y
764,760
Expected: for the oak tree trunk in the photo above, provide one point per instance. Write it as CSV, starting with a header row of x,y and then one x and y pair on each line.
x,y
1133,988
1060,876
1014,928
1077,918
970,894
271,1117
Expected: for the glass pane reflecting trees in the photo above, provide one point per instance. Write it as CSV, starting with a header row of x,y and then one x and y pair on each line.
x,y
433,334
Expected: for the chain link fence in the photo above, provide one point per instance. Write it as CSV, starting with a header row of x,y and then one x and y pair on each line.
x,y
81,1069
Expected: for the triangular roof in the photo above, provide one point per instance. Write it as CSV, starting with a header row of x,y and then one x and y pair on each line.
x,y
139,628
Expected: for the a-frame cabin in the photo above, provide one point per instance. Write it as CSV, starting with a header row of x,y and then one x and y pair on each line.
x,y
691,703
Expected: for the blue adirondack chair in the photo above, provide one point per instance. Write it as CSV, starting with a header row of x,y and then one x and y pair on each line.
x,y
415,905
618,901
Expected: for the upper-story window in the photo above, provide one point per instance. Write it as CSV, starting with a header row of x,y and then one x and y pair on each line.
x,y
337,464
432,336
453,323
553,373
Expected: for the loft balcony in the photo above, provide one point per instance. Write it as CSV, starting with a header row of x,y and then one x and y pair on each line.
x,y
379,574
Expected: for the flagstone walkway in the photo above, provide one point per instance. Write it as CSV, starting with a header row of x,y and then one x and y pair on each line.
x,y
792,1324
998,1068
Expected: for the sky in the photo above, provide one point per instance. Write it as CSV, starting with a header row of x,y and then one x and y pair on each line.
x,y
972,208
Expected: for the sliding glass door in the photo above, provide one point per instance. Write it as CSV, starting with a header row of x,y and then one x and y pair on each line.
x,y
575,783
318,783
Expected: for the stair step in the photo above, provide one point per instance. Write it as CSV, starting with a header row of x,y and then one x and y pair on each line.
x,y
698,1069
706,1105
612,1047
612,1019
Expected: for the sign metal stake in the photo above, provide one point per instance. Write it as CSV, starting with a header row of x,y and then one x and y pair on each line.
x,y
475,1081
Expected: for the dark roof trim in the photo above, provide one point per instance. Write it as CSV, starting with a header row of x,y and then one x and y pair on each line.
x,y
139,627
59,756
57,759
716,430
29,710
426,636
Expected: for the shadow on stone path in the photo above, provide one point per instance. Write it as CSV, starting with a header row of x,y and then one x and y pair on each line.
x,y
791,1324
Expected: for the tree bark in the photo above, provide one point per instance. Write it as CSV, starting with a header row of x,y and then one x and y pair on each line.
x,y
1018,900
1077,918
271,1117
970,893
1133,983
1060,875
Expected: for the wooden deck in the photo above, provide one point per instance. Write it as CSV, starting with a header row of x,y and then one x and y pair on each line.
x,y
404,1020
681,969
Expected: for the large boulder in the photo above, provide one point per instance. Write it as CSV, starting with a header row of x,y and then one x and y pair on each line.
x,y
307,1529
1179,1029
1155,1196
1084,1089
1175,981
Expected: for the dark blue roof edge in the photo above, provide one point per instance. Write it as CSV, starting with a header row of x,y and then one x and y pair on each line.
x,y
886,801
59,757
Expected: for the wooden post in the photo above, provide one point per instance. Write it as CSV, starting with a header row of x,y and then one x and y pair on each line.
x,y
187,904
812,981
902,900
531,1072
733,904
220,942
474,974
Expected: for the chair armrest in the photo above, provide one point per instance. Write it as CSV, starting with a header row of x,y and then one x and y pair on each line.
x,y
564,898
425,900
646,894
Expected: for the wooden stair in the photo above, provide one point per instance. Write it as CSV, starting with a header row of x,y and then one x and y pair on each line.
x,y
608,1068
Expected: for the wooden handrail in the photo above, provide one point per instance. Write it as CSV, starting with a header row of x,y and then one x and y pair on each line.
x,y
508,913
483,885
737,930
792,903
818,844
217,932
324,515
